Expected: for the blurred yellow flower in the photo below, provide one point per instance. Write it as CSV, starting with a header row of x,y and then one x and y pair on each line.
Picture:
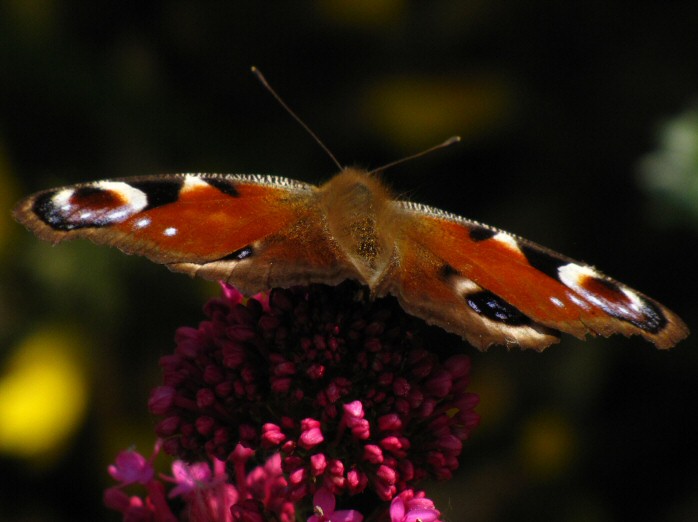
x,y
43,394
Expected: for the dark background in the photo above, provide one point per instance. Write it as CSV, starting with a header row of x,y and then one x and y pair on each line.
x,y
579,132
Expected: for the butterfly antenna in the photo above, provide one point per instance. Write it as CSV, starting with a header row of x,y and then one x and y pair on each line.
x,y
450,141
278,98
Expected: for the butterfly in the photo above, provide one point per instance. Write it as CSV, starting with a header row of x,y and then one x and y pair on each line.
x,y
257,232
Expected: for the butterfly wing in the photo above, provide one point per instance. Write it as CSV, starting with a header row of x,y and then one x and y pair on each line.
x,y
491,287
253,231
257,232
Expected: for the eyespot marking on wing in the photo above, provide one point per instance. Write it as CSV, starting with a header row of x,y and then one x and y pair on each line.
x,y
654,321
616,300
574,276
496,309
96,205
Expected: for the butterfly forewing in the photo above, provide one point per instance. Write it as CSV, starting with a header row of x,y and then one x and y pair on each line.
x,y
248,229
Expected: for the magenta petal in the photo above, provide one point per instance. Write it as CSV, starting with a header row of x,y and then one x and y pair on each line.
x,y
397,510
130,467
347,515
116,499
325,500
311,438
231,293
354,408
189,477
421,515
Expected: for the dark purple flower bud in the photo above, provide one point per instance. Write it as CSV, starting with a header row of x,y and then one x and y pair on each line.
x,y
161,399
316,371
168,426
205,398
389,422
205,425
439,384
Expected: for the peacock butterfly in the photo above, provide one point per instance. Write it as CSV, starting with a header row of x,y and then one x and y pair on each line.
x,y
257,232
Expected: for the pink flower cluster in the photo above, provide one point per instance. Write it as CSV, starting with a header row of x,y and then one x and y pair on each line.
x,y
209,495
339,393
206,490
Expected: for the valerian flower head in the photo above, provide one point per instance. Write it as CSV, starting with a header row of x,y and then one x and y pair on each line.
x,y
300,404
340,387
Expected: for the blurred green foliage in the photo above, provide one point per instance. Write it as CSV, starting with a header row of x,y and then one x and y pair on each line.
x,y
671,172
561,105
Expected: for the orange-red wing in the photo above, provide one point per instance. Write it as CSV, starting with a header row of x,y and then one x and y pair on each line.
x,y
495,288
255,231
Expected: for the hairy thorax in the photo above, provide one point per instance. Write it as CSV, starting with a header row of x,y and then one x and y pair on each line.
x,y
360,219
